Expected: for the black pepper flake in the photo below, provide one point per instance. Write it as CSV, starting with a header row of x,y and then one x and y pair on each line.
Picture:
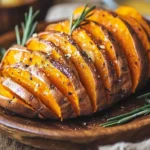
x,y
69,93
9,101
30,77
107,89
83,53
47,57
91,43
52,86
124,69
113,40
69,84
30,59
148,51
136,63
26,65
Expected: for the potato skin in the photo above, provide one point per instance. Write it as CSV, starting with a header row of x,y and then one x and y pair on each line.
x,y
29,98
15,104
17,107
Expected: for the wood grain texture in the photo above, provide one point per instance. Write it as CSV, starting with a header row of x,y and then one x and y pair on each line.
x,y
75,134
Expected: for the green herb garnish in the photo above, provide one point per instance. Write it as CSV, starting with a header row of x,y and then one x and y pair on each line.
x,y
82,20
28,27
2,52
121,119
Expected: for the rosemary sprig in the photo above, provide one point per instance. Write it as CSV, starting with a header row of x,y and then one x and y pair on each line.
x,y
121,119
28,27
82,19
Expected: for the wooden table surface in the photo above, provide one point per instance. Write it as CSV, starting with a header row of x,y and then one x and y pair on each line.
x,y
9,144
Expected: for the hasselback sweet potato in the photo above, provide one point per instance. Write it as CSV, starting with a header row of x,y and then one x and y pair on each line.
x,y
60,74
63,64
87,72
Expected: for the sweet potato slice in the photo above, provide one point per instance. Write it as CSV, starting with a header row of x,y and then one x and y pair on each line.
x,y
60,26
29,98
132,12
35,44
83,64
66,67
138,29
33,82
15,104
130,43
59,79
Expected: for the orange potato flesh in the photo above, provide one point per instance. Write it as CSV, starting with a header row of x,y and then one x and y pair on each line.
x,y
56,77
132,12
123,35
142,36
34,45
61,26
38,88
80,64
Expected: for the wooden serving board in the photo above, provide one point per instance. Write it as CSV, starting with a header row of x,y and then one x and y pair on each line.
x,y
76,134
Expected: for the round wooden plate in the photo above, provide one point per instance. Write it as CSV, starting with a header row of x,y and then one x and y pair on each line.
x,y
81,133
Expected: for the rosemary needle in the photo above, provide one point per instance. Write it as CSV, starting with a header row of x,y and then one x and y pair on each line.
x,y
28,27
82,19
2,52
17,35
121,119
